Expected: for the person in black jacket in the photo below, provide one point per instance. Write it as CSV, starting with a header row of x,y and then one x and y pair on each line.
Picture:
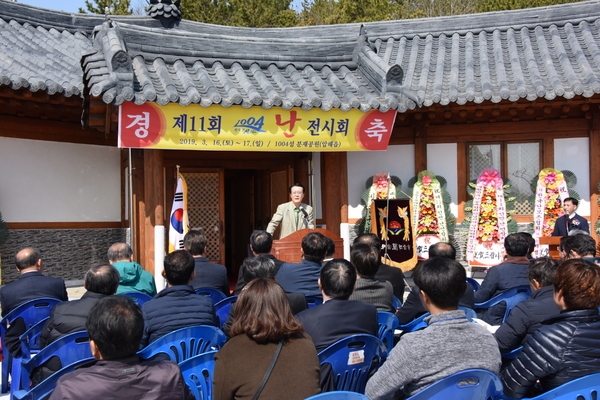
x,y
567,346
527,316
177,306
261,243
70,316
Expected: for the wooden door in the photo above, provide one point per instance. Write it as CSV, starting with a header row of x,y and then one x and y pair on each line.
x,y
206,208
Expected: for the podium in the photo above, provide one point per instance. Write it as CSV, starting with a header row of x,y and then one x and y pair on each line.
x,y
289,248
553,242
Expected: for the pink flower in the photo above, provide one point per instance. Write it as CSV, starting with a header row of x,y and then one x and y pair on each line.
x,y
426,180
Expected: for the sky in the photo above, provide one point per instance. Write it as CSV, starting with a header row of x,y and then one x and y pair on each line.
x,y
73,5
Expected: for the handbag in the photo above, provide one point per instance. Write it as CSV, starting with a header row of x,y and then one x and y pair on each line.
x,y
266,378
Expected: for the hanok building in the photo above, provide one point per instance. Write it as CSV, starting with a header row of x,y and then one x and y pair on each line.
x,y
515,90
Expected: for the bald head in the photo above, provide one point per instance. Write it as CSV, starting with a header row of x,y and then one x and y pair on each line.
x,y
119,252
443,250
28,258
102,279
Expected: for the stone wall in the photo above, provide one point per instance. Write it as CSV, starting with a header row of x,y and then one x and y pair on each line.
x,y
66,253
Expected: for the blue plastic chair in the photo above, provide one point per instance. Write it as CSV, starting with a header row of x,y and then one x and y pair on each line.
x,y
511,297
473,283
414,325
511,355
312,301
338,395
387,322
584,388
222,309
469,312
139,297
32,312
396,303
352,359
214,294
69,349
46,387
30,340
186,343
198,374
465,385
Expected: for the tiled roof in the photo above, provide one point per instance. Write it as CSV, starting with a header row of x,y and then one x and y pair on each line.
x,y
544,52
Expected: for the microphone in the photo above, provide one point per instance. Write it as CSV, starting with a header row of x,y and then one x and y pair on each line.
x,y
301,208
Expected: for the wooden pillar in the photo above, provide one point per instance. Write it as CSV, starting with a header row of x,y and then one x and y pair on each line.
x,y
594,171
334,189
462,179
420,145
152,207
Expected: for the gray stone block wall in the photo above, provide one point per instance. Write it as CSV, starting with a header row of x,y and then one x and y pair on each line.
x,y
66,253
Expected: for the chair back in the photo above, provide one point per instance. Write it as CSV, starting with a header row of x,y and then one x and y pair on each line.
x,y
185,343
511,297
584,388
352,359
338,395
465,385
473,283
30,340
31,312
387,322
222,309
469,312
69,349
511,355
312,301
214,294
198,374
46,387
139,297
414,325
396,303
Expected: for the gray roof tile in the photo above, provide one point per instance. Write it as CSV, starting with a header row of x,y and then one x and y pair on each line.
x,y
526,54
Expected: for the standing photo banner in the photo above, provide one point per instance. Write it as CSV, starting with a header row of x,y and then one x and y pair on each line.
x,y
391,220
235,128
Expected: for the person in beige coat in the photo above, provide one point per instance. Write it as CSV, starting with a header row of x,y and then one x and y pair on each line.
x,y
293,215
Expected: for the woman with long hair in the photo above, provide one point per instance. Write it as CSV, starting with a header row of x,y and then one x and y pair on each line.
x,y
268,356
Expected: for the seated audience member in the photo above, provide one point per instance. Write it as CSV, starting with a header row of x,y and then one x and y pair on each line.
x,y
366,260
530,241
207,274
70,316
265,329
385,272
413,308
303,277
512,272
264,267
133,276
115,325
32,284
527,316
338,317
567,346
177,306
261,243
330,252
580,246
449,343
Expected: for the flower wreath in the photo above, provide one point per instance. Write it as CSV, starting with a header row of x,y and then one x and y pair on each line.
x,y
377,187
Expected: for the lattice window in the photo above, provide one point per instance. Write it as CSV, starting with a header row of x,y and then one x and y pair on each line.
x,y
203,209
519,162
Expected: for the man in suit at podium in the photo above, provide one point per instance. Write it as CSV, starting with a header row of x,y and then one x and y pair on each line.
x,y
570,220
293,215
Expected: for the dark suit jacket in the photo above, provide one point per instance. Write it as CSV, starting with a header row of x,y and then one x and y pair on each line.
x,y
210,275
394,276
301,277
241,282
413,308
29,286
563,225
337,319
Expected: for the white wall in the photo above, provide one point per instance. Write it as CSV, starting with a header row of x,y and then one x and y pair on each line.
x,y
44,181
442,160
398,160
317,204
573,154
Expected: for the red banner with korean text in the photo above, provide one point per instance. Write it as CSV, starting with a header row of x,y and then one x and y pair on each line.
x,y
236,128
